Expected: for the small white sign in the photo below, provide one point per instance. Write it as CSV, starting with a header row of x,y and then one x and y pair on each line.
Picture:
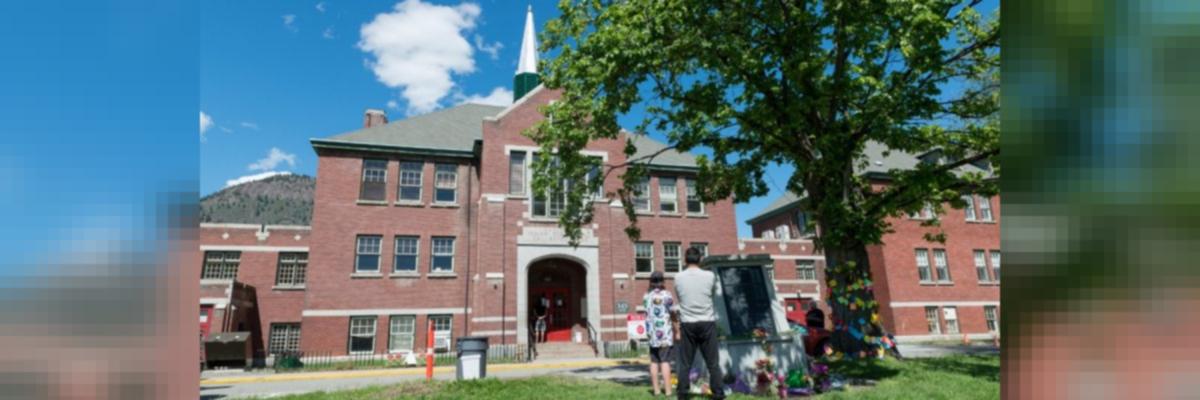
x,y
636,324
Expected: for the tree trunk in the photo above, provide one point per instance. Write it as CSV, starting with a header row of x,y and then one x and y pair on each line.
x,y
856,322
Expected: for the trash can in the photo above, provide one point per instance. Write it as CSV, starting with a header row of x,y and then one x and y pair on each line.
x,y
472,357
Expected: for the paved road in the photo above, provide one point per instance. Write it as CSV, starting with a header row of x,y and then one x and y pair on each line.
x,y
927,350
634,373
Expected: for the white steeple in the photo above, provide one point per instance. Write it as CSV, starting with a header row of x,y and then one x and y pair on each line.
x,y
528,62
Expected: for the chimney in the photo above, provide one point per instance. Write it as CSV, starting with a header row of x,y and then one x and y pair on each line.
x,y
374,117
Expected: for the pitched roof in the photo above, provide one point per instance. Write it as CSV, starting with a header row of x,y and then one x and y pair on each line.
x,y
877,163
453,130
672,158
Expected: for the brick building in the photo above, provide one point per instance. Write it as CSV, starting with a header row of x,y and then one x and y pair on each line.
x,y
926,290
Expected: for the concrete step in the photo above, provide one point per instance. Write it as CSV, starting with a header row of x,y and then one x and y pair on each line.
x,y
564,350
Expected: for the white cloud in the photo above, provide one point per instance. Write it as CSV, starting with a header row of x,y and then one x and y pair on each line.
x,y
255,177
249,125
321,6
206,123
328,33
416,48
392,104
224,129
289,22
274,157
500,96
492,50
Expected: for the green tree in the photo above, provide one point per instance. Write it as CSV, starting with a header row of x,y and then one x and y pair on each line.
x,y
801,83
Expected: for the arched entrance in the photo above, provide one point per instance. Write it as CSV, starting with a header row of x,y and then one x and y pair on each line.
x,y
559,285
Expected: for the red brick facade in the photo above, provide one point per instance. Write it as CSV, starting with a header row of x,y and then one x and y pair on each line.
x,y
902,295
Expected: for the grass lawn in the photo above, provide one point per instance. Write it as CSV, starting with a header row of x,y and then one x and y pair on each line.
x,y
956,377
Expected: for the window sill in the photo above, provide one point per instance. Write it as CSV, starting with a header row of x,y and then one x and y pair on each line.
x,y
993,222
694,215
442,275
989,283
670,215
641,275
644,213
543,219
371,202
444,205
405,274
516,196
408,204
278,287
365,275
211,281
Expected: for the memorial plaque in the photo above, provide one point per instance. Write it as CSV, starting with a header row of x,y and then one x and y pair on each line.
x,y
622,306
748,304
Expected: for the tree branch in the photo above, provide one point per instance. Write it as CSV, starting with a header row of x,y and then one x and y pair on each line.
x,y
896,191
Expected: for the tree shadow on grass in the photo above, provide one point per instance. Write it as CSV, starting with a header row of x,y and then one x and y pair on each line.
x,y
982,367
865,369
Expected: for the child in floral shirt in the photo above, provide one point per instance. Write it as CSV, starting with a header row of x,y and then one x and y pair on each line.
x,y
660,318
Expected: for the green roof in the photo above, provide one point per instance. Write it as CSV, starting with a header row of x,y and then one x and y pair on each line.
x,y
449,131
876,163
454,131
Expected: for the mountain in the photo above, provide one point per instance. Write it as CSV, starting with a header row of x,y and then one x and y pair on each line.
x,y
279,200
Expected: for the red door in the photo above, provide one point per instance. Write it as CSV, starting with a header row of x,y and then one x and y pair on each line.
x,y
559,317
205,320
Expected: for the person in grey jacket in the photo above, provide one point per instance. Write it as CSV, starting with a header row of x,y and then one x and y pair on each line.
x,y
696,289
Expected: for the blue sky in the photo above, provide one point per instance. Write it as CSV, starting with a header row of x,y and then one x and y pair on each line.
x,y
274,74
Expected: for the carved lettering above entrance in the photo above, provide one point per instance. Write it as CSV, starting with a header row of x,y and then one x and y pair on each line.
x,y
554,236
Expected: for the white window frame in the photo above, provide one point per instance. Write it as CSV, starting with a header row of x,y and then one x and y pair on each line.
x,y
395,331
981,267
362,334
420,184
416,253
285,335
933,322
523,185
810,268
922,257
293,272
969,210
218,265
985,209
641,201
941,265
783,232
441,336
677,258
991,318
995,258
435,253
672,198
368,176
442,170
693,195
952,327
703,246
649,246
359,251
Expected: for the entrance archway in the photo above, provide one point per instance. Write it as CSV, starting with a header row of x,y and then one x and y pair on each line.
x,y
560,286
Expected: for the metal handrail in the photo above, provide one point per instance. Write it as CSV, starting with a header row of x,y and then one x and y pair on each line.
x,y
531,351
593,338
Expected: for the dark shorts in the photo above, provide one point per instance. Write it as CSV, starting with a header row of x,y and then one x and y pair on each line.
x,y
540,325
662,354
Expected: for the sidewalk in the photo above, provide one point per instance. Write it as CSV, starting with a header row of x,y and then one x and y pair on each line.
x,y
239,377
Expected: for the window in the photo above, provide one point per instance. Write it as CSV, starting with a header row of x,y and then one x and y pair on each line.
x,y
923,266
703,249
783,232
443,255
516,173
943,270
400,333
802,224
445,183
925,213
667,195
806,270
441,332
670,257
594,174
362,335
970,209
374,180
643,254
950,314
694,205
552,204
768,234
284,337
220,265
290,271
931,319
406,253
996,265
989,315
981,266
985,209
641,199
410,181
367,259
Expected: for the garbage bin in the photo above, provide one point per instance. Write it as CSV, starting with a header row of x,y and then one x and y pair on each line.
x,y
472,357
